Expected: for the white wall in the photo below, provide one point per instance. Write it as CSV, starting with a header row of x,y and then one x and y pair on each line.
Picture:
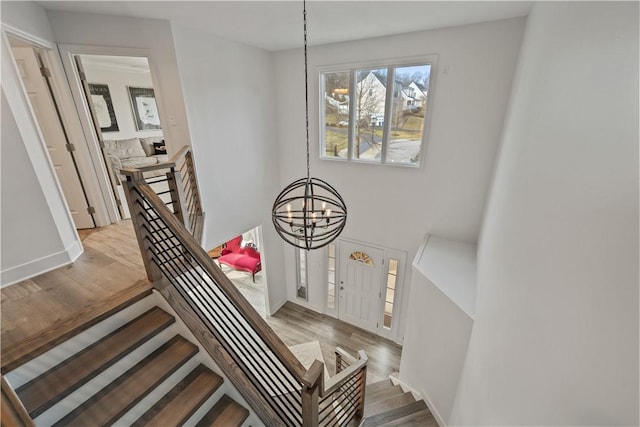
x,y
154,35
38,233
555,340
118,78
228,90
27,16
395,206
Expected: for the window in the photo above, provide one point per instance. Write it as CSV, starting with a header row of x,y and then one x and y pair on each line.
x,y
392,275
331,276
364,121
301,269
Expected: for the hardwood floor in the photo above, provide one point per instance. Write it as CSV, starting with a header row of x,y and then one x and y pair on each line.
x,y
111,265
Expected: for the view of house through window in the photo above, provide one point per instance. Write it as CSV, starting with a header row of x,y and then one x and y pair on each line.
x,y
364,121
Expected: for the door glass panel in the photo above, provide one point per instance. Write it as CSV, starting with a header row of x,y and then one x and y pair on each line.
x,y
390,293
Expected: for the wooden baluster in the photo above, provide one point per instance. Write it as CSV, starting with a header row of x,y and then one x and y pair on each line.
x,y
191,170
361,387
177,197
338,363
135,208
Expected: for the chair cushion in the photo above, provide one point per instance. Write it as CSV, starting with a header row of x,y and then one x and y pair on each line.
x,y
136,162
241,262
162,158
125,148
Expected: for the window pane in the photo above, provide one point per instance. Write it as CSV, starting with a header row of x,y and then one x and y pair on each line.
x,y
393,266
388,308
331,301
387,321
408,110
332,264
391,281
390,295
370,103
332,277
332,250
336,114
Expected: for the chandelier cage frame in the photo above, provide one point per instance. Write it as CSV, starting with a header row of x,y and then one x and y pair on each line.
x,y
309,213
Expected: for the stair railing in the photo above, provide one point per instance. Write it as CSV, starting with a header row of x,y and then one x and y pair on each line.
x,y
177,188
275,384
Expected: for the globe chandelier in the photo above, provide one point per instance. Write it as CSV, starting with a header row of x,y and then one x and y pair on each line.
x,y
309,213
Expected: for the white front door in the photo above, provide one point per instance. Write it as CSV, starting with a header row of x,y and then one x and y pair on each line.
x,y
53,134
360,285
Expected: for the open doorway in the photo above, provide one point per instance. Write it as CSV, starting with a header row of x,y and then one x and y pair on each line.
x,y
36,78
240,259
120,98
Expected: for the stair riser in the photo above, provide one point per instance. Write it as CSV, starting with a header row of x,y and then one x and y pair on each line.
x,y
53,357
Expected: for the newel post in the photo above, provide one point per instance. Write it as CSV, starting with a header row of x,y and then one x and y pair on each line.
x,y
176,189
312,383
135,201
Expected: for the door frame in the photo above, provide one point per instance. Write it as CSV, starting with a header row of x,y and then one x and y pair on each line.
x,y
67,53
394,332
69,118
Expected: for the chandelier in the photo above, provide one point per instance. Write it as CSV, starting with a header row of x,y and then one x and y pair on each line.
x,y
309,213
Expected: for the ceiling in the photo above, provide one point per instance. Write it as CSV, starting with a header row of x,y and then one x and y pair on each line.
x,y
277,25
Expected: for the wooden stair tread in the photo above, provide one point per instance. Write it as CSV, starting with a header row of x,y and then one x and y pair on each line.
x,y
385,405
385,418
380,385
423,418
383,394
46,390
113,401
181,402
226,413
60,331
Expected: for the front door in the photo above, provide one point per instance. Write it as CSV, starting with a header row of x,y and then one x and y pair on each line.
x,y
360,285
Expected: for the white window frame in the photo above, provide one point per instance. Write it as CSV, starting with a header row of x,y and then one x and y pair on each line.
x,y
352,68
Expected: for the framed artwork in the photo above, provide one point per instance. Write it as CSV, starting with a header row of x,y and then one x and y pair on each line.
x,y
145,109
103,107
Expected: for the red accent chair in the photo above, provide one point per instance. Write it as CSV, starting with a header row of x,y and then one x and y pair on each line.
x,y
242,259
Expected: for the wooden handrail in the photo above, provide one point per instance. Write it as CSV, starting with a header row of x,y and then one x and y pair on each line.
x,y
181,154
252,317
311,381
13,411
335,382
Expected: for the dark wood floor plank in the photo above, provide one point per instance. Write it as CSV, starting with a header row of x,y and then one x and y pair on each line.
x,y
44,391
383,394
403,411
380,385
384,405
113,401
226,413
181,402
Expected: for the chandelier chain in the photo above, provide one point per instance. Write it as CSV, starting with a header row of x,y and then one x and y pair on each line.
x,y
306,82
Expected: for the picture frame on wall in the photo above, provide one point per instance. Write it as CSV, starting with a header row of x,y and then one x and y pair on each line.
x,y
145,108
103,107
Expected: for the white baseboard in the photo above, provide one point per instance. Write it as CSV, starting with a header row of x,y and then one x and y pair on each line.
x,y
419,396
39,266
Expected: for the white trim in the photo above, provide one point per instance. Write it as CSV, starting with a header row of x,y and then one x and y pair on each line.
x,y
42,265
278,306
26,37
419,396
35,146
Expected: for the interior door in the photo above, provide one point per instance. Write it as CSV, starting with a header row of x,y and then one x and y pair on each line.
x,y
96,126
54,136
360,285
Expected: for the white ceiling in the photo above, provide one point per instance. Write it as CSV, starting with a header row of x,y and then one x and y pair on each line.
x,y
277,25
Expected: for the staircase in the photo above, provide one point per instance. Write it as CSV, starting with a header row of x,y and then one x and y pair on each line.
x,y
387,405
139,367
